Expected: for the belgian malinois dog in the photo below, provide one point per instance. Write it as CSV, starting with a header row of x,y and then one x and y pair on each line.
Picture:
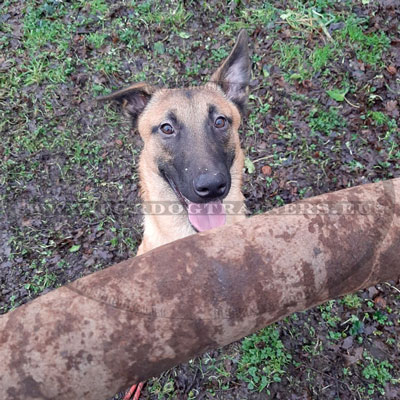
x,y
192,154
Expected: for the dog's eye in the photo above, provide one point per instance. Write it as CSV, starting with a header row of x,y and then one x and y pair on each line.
x,y
220,122
167,129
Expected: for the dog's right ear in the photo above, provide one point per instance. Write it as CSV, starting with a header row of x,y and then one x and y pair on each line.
x,y
133,98
233,76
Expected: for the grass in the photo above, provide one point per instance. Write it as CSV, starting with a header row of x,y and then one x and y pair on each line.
x,y
368,47
263,359
300,63
246,17
328,122
321,56
378,373
151,12
352,301
41,281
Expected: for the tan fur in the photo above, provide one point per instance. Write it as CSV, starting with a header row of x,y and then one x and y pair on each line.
x,y
226,93
162,229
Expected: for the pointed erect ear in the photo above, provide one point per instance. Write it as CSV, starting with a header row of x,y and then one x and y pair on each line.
x,y
133,98
233,76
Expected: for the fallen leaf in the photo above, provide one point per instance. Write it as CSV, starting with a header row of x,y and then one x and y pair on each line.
x,y
372,291
228,365
280,126
75,248
26,222
337,94
378,351
184,35
380,301
307,84
392,70
352,359
249,165
347,343
392,108
266,170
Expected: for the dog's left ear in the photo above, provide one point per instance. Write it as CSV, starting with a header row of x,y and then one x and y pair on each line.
x,y
233,76
133,99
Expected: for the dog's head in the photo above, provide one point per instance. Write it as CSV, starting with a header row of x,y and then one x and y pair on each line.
x,y
191,135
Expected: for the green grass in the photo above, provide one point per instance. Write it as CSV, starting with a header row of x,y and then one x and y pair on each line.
x,y
249,17
367,46
41,281
300,63
352,301
328,316
97,39
378,373
326,122
162,391
292,58
170,13
321,56
263,359
378,117
98,6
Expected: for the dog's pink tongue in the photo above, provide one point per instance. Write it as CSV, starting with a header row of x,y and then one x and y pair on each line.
x,y
204,216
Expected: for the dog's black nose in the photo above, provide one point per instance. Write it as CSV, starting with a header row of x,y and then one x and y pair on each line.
x,y
210,185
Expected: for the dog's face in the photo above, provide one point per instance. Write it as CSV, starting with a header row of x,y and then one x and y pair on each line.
x,y
191,135
193,138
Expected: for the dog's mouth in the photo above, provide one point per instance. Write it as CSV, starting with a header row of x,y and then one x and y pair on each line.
x,y
202,216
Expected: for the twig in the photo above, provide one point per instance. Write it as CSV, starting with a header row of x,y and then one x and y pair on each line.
x,y
322,25
393,287
262,158
353,105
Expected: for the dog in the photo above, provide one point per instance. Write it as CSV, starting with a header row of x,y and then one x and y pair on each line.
x,y
192,154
